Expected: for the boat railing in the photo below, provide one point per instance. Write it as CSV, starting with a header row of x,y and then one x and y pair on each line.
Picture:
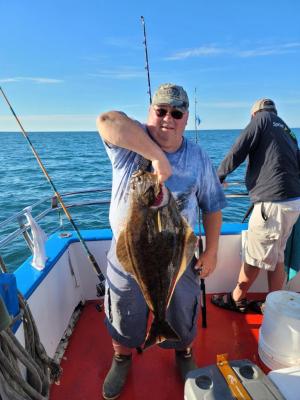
x,y
54,207
17,225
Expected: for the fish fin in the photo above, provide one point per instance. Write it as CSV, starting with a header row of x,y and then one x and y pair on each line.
x,y
123,254
190,242
159,332
190,245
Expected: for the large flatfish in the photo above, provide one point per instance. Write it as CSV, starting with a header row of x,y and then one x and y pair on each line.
x,y
155,245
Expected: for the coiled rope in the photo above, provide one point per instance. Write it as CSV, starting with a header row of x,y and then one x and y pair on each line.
x,y
41,370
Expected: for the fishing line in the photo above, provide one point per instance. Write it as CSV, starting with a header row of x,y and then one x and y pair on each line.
x,y
101,285
147,61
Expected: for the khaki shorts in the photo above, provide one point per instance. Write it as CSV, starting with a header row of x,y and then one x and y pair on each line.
x,y
269,228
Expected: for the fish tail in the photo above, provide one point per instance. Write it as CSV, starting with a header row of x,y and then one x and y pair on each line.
x,y
159,332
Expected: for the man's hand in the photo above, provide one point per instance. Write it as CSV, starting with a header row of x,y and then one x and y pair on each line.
x,y
162,168
206,264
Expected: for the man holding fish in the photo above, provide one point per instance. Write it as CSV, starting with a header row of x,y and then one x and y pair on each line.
x,y
160,178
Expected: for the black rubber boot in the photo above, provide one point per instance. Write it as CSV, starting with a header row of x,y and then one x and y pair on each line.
x,y
185,362
116,377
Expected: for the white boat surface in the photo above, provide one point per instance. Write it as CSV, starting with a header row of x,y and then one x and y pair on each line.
x,y
68,283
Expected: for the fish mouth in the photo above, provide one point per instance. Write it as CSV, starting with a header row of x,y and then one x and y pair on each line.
x,y
162,198
159,198
147,190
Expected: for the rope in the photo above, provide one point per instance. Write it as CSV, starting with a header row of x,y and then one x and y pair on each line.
x,y
41,370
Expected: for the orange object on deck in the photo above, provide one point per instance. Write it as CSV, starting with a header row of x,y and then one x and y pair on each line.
x,y
235,385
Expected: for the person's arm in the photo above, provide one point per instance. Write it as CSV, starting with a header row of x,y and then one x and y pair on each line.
x,y
119,130
240,150
208,259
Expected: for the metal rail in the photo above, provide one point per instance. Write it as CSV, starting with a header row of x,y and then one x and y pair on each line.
x,y
56,207
50,198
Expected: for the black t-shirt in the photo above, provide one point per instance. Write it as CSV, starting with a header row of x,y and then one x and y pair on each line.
x,y
273,172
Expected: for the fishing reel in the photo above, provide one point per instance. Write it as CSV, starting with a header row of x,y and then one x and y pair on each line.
x,y
100,287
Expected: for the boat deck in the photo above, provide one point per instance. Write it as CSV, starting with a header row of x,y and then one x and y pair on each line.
x,y
153,375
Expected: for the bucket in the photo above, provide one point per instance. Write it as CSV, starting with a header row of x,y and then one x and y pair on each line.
x,y
279,335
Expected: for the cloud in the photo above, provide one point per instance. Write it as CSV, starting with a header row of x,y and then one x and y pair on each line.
x,y
241,104
66,118
31,79
293,44
121,73
123,43
48,123
212,50
53,117
96,57
197,52
270,50
225,104
291,102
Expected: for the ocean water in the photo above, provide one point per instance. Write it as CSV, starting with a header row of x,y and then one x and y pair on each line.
x,y
77,161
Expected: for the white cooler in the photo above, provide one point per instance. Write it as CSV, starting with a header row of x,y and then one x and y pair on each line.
x,y
287,381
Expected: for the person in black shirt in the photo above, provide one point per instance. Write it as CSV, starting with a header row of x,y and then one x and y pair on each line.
x,y
273,183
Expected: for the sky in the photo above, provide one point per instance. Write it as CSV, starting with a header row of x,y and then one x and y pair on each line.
x,y
63,62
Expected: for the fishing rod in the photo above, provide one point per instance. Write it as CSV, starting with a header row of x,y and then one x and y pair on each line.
x,y
147,61
200,241
202,281
101,285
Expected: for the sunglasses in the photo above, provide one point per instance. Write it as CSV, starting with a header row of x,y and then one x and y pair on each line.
x,y
162,112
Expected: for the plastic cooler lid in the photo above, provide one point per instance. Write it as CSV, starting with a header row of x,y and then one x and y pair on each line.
x,y
285,303
288,381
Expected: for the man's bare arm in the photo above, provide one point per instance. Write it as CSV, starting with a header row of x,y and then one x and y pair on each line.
x,y
116,128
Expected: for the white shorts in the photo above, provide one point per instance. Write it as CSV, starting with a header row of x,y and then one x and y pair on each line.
x,y
269,228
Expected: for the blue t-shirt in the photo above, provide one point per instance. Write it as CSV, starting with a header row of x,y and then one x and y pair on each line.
x,y
193,182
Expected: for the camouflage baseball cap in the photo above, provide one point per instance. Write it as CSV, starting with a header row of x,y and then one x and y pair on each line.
x,y
173,95
263,104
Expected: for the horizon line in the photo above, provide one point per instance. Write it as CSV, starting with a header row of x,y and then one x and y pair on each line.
x,y
95,131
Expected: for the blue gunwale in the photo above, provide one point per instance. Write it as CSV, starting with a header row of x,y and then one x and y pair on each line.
x,y
28,278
